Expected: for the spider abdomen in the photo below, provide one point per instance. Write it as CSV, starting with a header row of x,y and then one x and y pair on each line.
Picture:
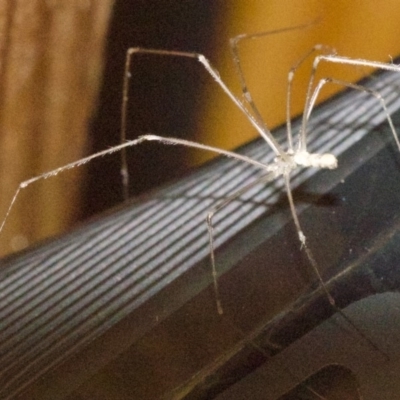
x,y
325,160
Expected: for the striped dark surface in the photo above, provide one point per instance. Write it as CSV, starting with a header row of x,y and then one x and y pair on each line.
x,y
58,299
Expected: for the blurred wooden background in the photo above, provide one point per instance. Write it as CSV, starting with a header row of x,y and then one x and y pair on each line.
x,y
52,54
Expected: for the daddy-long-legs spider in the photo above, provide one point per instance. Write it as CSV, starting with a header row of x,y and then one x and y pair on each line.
x,y
285,161
165,254
296,155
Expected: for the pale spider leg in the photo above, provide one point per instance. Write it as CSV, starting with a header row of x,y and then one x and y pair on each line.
x,y
338,60
307,112
124,161
314,265
130,143
315,392
361,88
302,239
265,134
223,203
233,42
292,71
250,341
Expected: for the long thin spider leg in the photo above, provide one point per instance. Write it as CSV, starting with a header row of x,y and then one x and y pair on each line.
x,y
200,146
338,60
302,239
361,88
234,42
209,219
121,147
266,178
291,74
315,267
261,128
66,167
124,109
357,61
249,340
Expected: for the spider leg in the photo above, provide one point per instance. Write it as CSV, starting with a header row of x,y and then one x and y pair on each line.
x,y
209,219
354,86
315,267
302,239
311,97
234,46
291,74
254,120
122,147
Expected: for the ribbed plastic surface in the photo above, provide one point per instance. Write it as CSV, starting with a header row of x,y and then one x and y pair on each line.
x,y
57,298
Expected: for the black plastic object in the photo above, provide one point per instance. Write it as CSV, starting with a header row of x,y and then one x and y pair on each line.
x,y
123,307
331,345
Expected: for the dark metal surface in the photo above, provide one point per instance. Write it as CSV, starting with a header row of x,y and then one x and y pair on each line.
x,y
332,344
124,301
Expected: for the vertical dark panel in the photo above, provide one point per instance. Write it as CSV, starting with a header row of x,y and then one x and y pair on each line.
x,y
163,92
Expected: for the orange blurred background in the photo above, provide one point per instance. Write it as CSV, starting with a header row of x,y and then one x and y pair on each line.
x,y
362,29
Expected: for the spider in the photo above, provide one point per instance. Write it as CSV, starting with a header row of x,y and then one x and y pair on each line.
x,y
295,156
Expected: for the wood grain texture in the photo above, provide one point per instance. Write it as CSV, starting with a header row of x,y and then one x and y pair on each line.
x,y
50,66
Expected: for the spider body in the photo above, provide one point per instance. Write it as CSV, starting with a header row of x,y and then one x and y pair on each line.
x,y
292,160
